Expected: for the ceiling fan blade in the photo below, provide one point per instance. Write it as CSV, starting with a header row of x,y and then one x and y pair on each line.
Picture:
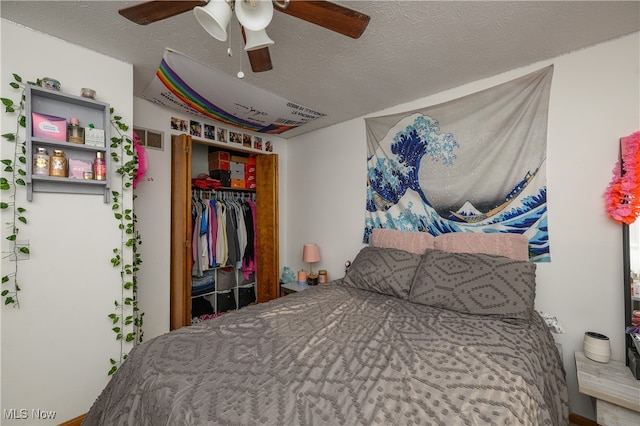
x,y
328,15
260,59
157,10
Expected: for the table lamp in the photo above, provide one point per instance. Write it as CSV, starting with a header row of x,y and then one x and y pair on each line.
x,y
310,254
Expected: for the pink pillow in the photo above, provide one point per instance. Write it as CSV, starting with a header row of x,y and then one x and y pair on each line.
x,y
412,242
507,244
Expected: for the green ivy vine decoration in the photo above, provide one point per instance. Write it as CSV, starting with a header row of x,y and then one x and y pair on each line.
x,y
127,314
14,168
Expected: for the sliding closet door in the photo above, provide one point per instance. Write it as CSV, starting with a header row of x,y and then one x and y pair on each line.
x,y
267,230
180,231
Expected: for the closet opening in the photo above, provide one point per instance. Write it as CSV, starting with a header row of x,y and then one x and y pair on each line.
x,y
224,230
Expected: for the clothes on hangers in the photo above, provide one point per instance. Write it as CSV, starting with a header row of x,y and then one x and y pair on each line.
x,y
249,258
223,232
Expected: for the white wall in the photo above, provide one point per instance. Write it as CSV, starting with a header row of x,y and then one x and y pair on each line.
x,y
56,346
595,100
153,202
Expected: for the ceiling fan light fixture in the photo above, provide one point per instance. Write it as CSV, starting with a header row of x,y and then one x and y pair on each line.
x,y
255,40
214,17
254,15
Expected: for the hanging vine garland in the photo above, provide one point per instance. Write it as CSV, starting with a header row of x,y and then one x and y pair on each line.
x,y
622,197
127,319
14,172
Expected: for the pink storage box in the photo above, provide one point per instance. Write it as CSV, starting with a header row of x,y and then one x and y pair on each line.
x,y
78,167
49,127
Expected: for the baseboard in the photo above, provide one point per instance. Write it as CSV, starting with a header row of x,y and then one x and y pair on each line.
x,y
75,421
576,419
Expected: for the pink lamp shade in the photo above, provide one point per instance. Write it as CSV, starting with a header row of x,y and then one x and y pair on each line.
x,y
310,254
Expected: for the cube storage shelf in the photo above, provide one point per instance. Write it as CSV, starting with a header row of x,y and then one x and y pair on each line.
x,y
88,111
236,288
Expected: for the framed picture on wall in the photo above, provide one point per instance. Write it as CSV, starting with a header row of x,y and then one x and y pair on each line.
x,y
246,140
257,142
179,124
195,128
221,135
209,132
235,137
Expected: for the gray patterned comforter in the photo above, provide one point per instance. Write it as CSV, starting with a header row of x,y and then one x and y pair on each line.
x,y
334,355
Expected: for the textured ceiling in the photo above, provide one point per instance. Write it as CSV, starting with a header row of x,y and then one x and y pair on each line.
x,y
411,49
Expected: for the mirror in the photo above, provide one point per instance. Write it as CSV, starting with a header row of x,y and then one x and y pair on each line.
x,y
622,205
631,268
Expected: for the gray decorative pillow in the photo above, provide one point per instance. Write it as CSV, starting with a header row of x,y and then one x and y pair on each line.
x,y
383,270
476,283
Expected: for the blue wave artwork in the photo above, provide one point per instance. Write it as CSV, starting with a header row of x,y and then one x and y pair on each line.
x,y
397,200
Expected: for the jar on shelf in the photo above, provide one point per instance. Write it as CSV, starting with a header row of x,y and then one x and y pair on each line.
x,y
41,162
99,167
75,133
58,164
85,92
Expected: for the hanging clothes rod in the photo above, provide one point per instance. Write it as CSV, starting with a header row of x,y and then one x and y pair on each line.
x,y
202,193
235,195
223,194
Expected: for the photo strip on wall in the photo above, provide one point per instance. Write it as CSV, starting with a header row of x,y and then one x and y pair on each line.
x,y
220,134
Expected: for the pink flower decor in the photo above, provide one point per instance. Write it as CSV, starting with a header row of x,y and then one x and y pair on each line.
x,y
142,160
622,197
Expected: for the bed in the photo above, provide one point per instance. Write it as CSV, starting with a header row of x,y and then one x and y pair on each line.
x,y
390,343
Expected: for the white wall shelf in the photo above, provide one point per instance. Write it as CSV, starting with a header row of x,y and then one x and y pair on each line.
x,y
88,111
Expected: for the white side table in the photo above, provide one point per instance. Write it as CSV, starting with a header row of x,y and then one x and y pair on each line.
x,y
616,391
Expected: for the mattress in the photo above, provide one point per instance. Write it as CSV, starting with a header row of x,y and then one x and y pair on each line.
x,y
335,355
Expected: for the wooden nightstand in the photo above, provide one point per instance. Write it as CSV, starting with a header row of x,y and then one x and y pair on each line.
x,y
293,287
616,391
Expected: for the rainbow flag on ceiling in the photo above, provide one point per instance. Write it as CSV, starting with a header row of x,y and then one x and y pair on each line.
x,y
188,86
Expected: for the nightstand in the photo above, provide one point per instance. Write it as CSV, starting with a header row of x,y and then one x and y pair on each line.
x,y
616,391
293,287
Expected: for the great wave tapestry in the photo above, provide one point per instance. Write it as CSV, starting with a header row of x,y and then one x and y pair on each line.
x,y
473,164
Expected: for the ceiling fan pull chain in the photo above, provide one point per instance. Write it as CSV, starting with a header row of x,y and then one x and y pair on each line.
x,y
283,6
240,73
229,51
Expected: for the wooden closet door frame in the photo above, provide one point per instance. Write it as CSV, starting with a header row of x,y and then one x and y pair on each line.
x,y
267,227
180,281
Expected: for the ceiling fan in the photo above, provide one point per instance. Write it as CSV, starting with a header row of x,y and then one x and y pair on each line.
x,y
326,14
